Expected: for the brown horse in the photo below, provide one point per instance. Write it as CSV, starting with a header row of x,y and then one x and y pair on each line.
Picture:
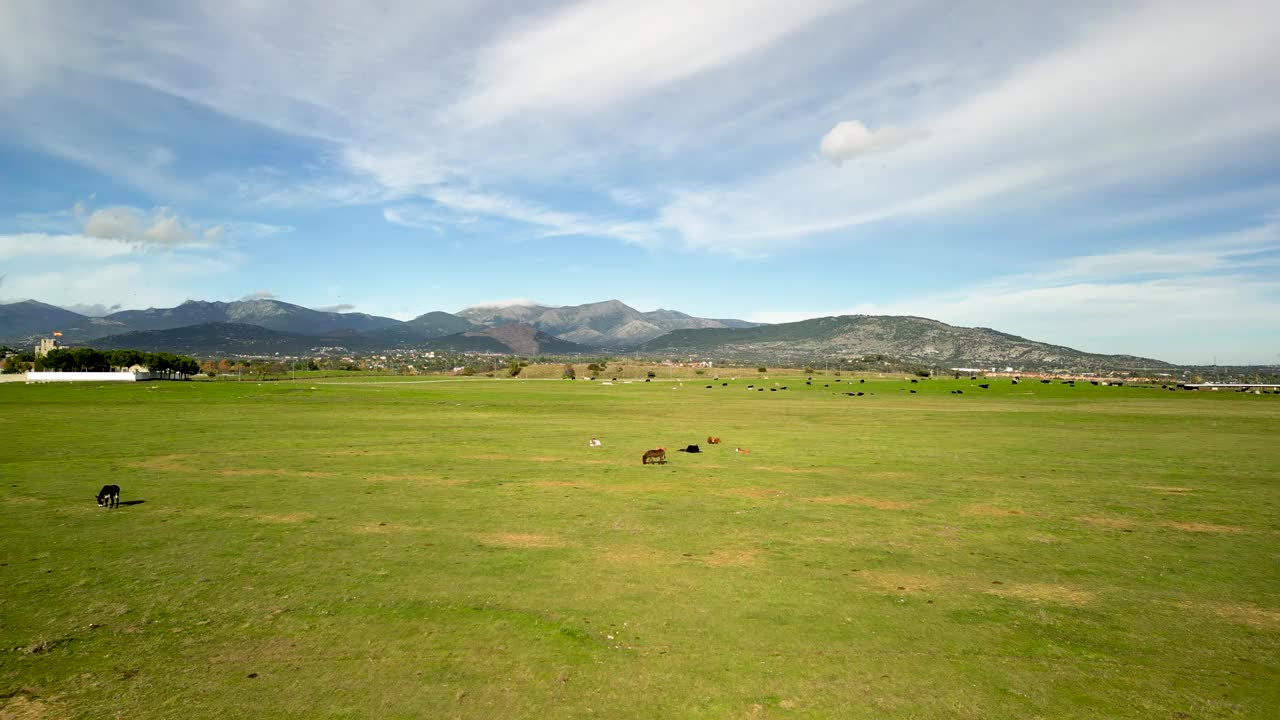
x,y
742,451
713,440
658,455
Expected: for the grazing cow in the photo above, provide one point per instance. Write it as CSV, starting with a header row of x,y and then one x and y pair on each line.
x,y
913,392
1015,381
750,386
862,381
913,382
709,387
724,384
595,442
859,394
109,496
690,449
1046,382
713,440
984,386
742,451
657,455
806,382
773,389
784,387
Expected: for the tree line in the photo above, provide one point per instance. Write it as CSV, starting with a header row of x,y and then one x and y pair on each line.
x,y
90,360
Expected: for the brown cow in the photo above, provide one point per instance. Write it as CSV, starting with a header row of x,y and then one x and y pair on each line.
x,y
712,440
742,451
658,455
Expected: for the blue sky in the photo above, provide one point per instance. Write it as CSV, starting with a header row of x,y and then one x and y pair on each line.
x,y
1099,175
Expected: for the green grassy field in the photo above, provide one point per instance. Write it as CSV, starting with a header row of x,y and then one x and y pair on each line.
x,y
454,549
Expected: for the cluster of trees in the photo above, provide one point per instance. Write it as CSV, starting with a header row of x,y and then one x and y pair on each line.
x,y
90,360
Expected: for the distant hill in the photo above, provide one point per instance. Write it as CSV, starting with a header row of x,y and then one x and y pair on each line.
x,y
415,332
513,338
220,338
267,313
22,322
608,324
916,339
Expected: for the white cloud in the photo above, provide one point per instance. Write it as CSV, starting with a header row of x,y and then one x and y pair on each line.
x,y
339,308
64,247
93,309
260,295
851,138
607,53
161,229
511,302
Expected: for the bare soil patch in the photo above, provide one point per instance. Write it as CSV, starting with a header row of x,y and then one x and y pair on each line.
x,y
864,501
1203,527
273,472
24,707
1045,592
1108,522
1252,615
1168,490
164,463
755,492
988,510
731,558
520,540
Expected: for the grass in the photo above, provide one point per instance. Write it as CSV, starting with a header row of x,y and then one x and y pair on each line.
x,y
454,549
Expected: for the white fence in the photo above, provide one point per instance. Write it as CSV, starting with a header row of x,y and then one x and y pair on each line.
x,y
40,377
123,377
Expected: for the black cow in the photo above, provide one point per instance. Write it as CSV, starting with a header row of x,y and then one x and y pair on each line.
x,y
109,496
690,449
984,386
913,392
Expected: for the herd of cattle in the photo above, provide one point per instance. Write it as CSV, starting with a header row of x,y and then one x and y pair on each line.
x,y
659,454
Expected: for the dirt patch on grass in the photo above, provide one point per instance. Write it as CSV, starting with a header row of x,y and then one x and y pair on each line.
x,y
1252,615
755,493
553,484
1108,522
163,463
273,472
520,540
1045,592
360,452
285,518
24,707
898,582
741,557
987,510
381,528
1202,527
864,501
411,479
21,500
1168,490
635,556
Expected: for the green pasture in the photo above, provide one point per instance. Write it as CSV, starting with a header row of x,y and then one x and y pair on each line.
x,y
453,549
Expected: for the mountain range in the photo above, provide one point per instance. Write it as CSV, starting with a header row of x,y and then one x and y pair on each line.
x,y
904,337
268,326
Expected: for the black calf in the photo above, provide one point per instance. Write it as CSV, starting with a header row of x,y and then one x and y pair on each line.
x,y
109,496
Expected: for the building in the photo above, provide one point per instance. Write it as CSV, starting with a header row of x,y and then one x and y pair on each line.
x,y
47,344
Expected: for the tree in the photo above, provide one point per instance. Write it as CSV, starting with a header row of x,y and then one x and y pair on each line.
x,y
569,374
13,365
651,374
594,369
762,369
513,368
